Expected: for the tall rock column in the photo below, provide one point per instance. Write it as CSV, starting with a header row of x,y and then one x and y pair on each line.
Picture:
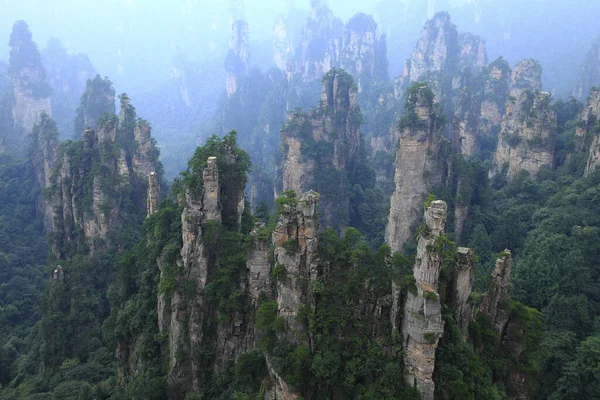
x,y
418,167
526,141
31,92
589,72
318,147
422,325
496,90
460,290
494,304
237,62
184,322
45,142
591,127
296,257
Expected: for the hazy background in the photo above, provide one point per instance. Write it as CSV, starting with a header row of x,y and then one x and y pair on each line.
x,y
135,42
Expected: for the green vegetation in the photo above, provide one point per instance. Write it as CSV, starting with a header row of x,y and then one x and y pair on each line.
x,y
96,101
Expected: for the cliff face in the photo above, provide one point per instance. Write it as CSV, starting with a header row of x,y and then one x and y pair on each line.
x,y
43,155
320,43
589,73
526,141
360,49
30,90
494,304
318,146
97,99
526,75
296,252
418,165
90,181
460,288
237,62
422,325
434,51
590,127
496,89
441,52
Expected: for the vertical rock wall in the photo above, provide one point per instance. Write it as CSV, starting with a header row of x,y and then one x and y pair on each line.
x,y
422,325
590,128
321,144
418,167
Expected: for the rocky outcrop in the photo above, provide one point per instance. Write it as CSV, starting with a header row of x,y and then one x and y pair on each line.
x,y
460,288
182,315
259,266
422,325
495,303
361,50
418,165
441,52
526,141
320,43
496,78
526,75
93,177
467,112
589,73
472,52
43,156
97,99
152,195
434,50
589,127
191,317
237,62
296,258
319,145
30,89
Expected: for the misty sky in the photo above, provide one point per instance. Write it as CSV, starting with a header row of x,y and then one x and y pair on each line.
x,y
135,42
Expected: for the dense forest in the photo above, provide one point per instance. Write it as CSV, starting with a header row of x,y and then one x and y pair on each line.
x,y
342,235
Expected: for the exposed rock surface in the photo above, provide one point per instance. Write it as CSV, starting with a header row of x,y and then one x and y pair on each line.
x,y
461,285
418,165
30,89
441,51
320,145
589,73
237,62
90,180
320,43
361,50
296,252
44,145
590,127
526,141
526,75
152,195
422,325
495,302
496,89
97,99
